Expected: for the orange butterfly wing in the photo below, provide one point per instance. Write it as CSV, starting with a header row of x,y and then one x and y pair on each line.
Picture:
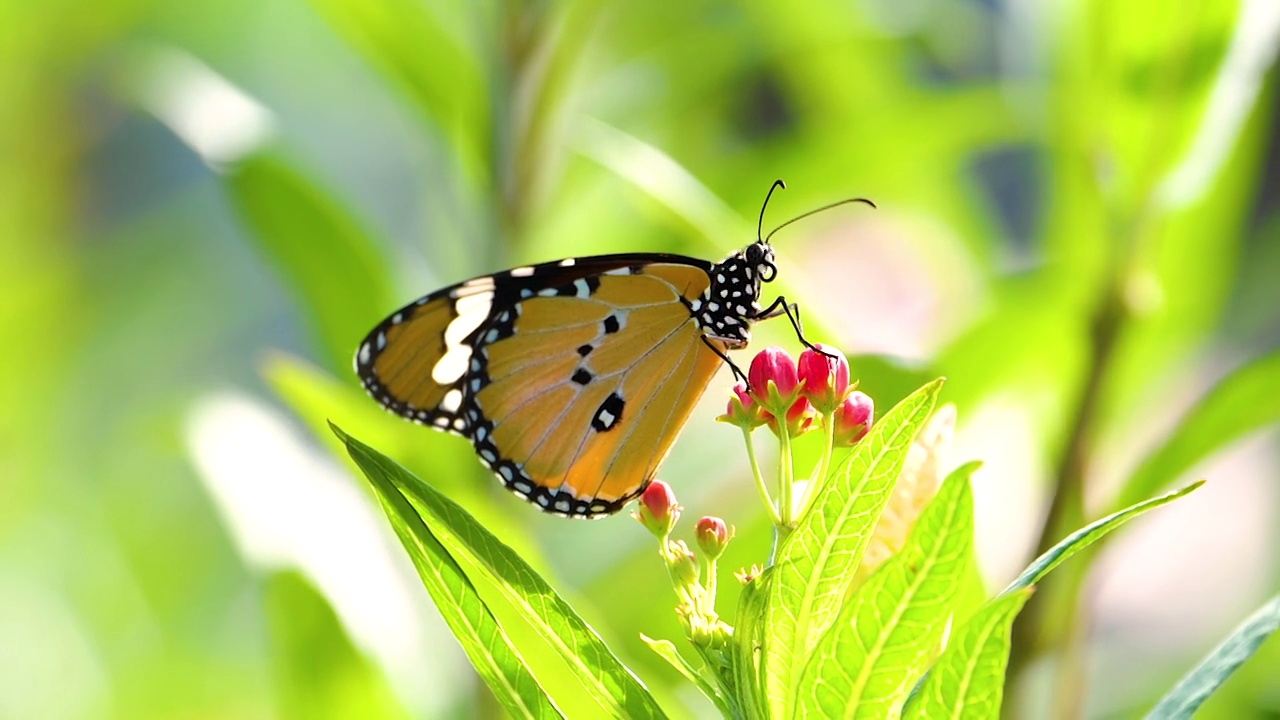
x,y
587,395
571,379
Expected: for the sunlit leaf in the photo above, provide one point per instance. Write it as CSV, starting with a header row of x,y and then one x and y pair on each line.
x,y
607,683
968,680
889,631
472,622
1191,692
815,565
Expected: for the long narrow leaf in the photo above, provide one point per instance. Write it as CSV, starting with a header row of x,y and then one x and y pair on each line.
x,y
967,681
1226,413
486,644
886,635
1088,535
748,639
817,562
1191,692
606,681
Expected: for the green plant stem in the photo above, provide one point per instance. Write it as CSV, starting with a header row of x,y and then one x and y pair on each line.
x,y
818,479
1051,618
786,478
760,483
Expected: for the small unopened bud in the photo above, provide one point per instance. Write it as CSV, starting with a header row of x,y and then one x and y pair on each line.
x,y
853,419
657,509
713,536
684,566
743,410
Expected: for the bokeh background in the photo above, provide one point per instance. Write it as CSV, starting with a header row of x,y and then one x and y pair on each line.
x,y
203,207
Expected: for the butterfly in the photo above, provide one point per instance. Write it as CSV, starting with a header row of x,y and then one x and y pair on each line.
x,y
573,378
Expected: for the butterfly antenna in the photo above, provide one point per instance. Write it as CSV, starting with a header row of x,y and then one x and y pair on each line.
x,y
815,212
760,224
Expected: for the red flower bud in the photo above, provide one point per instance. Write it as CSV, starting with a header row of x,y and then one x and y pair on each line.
x,y
713,535
658,510
853,418
825,378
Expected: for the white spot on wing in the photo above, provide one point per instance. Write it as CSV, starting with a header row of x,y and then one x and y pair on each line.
x,y
365,352
451,401
525,271
567,262
452,365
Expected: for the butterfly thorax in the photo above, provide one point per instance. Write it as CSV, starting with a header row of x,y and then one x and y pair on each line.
x,y
732,300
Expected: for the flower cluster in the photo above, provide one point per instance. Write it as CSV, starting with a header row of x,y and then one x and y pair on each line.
x,y
694,579
793,398
816,388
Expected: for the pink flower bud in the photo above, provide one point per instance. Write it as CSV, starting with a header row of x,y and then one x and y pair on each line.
x,y
773,364
825,379
743,410
658,510
775,386
853,418
713,535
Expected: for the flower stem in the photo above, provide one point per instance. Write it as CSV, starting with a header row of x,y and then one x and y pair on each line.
x,y
760,483
818,480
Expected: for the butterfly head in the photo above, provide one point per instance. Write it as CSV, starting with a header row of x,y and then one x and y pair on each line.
x,y
759,257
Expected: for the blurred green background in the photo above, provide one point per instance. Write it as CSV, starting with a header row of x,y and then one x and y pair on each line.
x,y
203,207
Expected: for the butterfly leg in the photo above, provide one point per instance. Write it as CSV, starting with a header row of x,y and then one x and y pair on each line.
x,y
780,306
737,371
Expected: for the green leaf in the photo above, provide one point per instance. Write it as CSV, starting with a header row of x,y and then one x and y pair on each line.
x,y
334,267
1192,690
888,633
816,563
478,631
748,638
1086,536
1227,412
667,651
967,681
424,56
607,683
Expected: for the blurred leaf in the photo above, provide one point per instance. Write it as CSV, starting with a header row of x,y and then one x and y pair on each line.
x,y
609,685
967,681
334,267
667,651
1191,692
1086,536
473,624
319,674
890,630
816,563
425,56
1233,408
